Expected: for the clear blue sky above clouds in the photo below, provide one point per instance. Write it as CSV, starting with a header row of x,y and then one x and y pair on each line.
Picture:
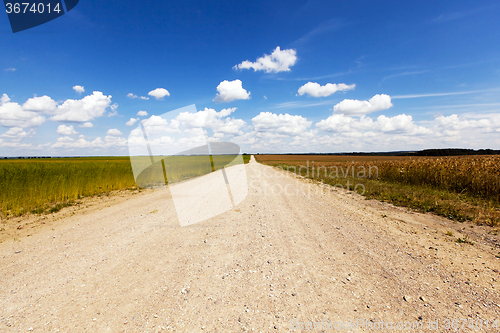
x,y
314,76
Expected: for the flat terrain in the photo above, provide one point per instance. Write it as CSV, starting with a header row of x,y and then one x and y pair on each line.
x,y
299,159
293,251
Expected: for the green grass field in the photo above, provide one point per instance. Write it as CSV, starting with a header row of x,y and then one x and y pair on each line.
x,y
46,185
179,168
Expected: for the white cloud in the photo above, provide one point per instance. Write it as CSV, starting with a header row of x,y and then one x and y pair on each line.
x,y
284,124
17,145
402,133
209,118
83,110
354,107
13,115
402,123
132,121
130,95
187,130
339,123
43,104
278,61
316,90
79,89
113,132
114,141
69,143
87,125
16,134
10,69
228,91
4,99
142,113
66,130
157,124
159,93
155,121
457,123
114,111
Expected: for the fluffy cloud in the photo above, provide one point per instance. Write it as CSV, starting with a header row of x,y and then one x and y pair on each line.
x,y
155,121
402,123
113,132
18,145
354,107
284,124
30,113
79,89
14,115
132,121
130,95
187,130
455,123
10,69
316,90
142,113
228,91
66,130
43,104
16,134
113,111
278,61
87,125
83,110
69,143
209,118
159,93
157,124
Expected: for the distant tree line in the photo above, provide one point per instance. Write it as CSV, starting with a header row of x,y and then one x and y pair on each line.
x,y
452,152
425,152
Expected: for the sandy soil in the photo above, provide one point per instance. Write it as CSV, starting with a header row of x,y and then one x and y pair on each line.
x,y
292,254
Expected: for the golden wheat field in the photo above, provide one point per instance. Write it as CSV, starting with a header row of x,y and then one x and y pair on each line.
x,y
459,187
476,175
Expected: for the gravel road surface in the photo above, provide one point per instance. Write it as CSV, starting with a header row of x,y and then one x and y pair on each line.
x,y
291,256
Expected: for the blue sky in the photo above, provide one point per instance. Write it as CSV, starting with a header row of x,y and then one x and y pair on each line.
x,y
280,76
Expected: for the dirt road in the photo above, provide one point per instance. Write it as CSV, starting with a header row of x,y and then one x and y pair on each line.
x,y
292,254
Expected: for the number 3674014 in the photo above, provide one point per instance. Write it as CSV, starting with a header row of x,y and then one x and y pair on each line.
x,y
26,7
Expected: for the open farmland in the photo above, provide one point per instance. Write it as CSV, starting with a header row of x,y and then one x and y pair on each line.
x,y
293,251
461,188
47,185
38,185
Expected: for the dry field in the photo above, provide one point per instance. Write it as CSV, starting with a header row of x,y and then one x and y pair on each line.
x,y
461,188
326,159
